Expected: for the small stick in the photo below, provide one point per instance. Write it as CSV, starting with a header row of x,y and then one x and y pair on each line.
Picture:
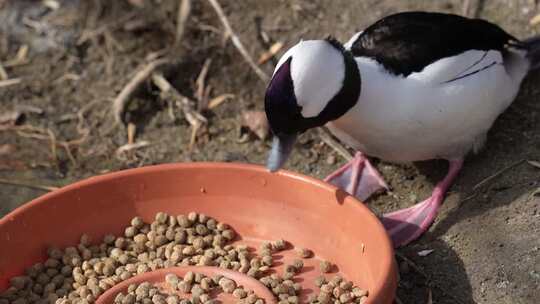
x,y
430,297
236,41
194,118
129,147
131,132
9,82
28,185
496,174
534,163
271,52
334,144
185,103
183,14
69,154
119,103
20,59
216,101
3,73
201,79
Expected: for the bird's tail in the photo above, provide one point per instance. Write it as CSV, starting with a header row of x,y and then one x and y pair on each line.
x,y
532,45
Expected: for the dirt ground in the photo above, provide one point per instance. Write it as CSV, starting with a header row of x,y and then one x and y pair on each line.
x,y
486,241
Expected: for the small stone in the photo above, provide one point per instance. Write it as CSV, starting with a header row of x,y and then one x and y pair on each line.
x,y
331,159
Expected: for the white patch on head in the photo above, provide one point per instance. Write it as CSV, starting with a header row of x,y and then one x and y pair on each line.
x,y
351,41
317,71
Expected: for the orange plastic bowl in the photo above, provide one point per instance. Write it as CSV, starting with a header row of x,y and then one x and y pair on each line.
x,y
258,204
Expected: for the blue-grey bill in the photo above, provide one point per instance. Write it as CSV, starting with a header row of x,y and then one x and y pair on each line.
x,y
281,149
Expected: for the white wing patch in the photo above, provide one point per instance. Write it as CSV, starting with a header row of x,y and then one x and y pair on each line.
x,y
458,67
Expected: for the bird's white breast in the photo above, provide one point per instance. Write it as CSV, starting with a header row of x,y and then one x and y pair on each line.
x,y
435,113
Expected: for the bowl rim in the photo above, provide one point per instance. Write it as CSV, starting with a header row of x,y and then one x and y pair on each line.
x,y
388,283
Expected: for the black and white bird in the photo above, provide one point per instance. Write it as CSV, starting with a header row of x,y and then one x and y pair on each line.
x,y
413,86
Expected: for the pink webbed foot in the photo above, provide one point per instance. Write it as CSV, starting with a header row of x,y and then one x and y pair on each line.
x,y
406,225
358,177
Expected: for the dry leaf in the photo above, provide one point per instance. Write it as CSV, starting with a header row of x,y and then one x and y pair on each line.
x,y
535,20
256,121
274,49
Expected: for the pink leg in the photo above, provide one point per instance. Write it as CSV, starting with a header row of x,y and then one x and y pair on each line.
x,y
406,225
358,177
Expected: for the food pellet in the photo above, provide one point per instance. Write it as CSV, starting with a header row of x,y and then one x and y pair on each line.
x,y
304,253
325,266
81,273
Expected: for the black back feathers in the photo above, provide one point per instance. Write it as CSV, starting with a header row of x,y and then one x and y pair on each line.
x,y
407,42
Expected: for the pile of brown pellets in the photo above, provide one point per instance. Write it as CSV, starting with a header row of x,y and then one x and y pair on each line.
x,y
197,284
82,273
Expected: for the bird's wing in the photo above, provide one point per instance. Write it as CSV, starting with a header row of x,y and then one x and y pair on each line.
x,y
467,64
406,43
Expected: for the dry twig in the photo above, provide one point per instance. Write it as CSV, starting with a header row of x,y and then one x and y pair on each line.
x,y
201,84
195,119
183,14
334,144
9,82
3,74
236,41
121,100
272,51
131,133
28,185
20,59
496,174
534,163
133,146
216,101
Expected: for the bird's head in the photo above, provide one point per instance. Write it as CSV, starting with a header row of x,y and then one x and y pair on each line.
x,y
315,82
